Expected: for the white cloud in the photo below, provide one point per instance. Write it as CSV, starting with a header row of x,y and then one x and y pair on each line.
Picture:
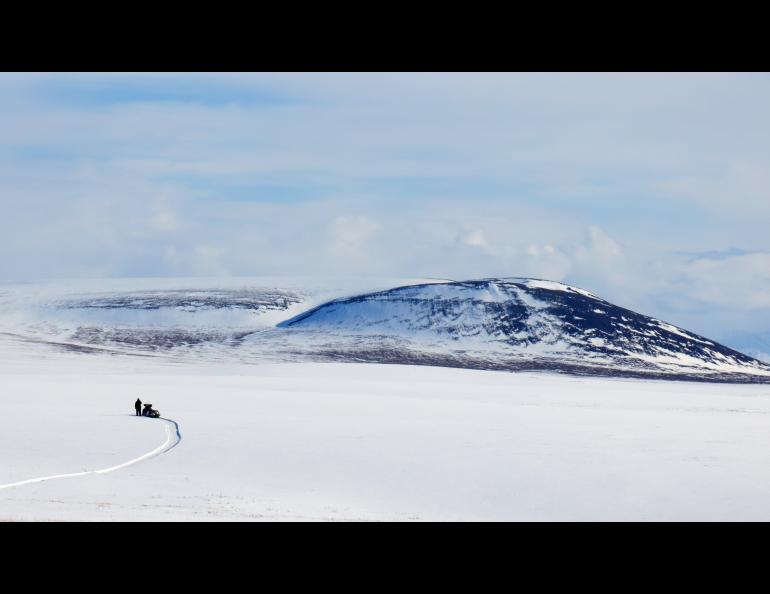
x,y
601,246
741,281
475,238
599,261
351,232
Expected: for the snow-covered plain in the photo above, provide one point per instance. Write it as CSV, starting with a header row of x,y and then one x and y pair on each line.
x,y
333,441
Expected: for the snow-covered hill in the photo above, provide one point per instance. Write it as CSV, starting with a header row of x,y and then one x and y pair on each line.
x,y
511,324
518,323
193,318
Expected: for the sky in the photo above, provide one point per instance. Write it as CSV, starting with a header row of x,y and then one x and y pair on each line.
x,y
651,190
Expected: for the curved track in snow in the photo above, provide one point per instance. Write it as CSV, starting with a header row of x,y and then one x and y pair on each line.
x,y
173,437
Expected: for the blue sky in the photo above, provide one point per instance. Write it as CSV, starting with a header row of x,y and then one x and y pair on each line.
x,y
652,190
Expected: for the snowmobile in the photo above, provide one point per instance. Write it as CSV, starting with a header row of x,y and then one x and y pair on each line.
x,y
149,411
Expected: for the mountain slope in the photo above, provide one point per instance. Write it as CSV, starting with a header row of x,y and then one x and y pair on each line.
x,y
512,321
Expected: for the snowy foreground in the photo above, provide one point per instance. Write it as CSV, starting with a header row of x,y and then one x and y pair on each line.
x,y
335,441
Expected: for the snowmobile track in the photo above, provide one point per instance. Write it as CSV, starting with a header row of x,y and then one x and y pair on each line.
x,y
173,437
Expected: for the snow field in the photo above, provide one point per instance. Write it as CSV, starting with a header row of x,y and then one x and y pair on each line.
x,y
377,442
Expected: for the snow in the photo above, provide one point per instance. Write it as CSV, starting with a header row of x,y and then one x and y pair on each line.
x,y
679,332
554,286
486,323
254,429
173,437
58,307
310,441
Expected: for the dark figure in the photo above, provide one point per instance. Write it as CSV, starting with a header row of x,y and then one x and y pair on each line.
x,y
138,407
150,412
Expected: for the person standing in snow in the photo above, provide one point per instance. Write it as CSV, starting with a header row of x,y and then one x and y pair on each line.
x,y
138,407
